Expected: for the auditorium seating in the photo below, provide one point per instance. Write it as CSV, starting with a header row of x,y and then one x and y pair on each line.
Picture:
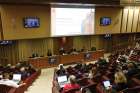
x,y
135,82
91,87
31,79
83,81
6,89
132,90
21,89
106,73
74,90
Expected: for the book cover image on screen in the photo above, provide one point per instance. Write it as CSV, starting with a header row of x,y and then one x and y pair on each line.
x,y
72,21
31,22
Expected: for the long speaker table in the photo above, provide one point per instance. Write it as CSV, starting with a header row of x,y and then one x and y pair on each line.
x,y
51,61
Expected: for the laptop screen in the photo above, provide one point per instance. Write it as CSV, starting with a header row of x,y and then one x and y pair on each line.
x,y
17,77
62,79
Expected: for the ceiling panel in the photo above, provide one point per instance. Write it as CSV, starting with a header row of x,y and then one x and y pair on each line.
x,y
100,2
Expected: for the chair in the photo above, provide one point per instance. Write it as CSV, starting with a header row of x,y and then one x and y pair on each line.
x,y
6,89
74,90
110,75
83,81
20,89
97,78
132,90
135,82
90,87
137,76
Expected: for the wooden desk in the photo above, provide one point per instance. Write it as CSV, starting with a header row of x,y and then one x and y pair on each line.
x,y
67,59
44,62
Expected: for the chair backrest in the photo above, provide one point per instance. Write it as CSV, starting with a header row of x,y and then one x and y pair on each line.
x,y
132,90
4,88
82,81
91,88
74,90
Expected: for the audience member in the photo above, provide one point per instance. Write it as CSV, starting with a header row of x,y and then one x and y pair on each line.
x,y
93,73
93,48
49,53
132,69
30,70
62,51
120,83
78,66
83,49
1,76
137,46
74,51
23,73
35,55
7,68
71,85
102,61
84,68
8,82
61,71
1,68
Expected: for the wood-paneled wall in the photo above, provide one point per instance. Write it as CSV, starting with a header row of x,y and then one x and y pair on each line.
x,y
97,41
1,30
116,16
40,46
122,41
23,49
130,20
12,21
9,54
124,20
87,42
80,42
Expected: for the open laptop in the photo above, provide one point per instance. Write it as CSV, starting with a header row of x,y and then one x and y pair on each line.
x,y
62,80
17,78
106,84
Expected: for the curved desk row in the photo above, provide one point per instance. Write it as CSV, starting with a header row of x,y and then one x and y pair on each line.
x,y
23,88
44,62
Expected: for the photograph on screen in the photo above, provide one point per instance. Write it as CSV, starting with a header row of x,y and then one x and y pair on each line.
x,y
72,21
31,22
105,21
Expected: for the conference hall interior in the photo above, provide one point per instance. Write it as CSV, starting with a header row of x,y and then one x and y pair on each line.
x,y
69,46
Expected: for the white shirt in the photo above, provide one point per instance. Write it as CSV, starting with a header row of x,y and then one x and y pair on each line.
x,y
9,83
131,52
90,76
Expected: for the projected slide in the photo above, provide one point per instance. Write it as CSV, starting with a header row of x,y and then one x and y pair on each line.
x,y
72,21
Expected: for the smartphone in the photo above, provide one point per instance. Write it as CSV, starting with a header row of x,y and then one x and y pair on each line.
x,y
106,84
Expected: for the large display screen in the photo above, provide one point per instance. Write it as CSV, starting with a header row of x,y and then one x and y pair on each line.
x,y
72,21
105,21
31,22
